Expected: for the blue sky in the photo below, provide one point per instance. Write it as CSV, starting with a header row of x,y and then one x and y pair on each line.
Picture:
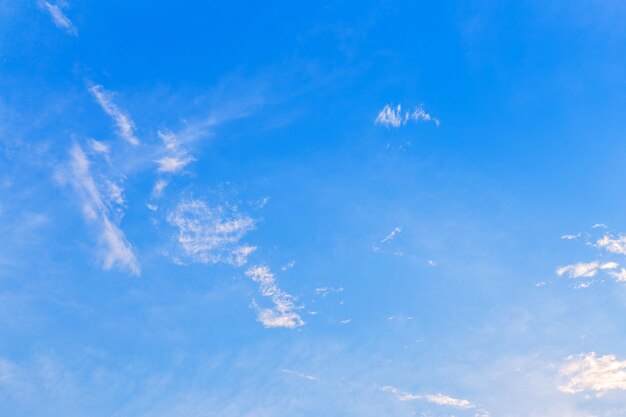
x,y
373,208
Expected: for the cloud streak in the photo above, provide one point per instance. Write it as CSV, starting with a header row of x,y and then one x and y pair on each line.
x,y
283,313
585,269
124,124
58,17
116,251
439,399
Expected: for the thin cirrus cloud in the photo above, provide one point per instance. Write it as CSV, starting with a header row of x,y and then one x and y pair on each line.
x,y
395,116
585,269
439,399
116,251
589,372
58,17
211,235
390,236
283,313
176,157
124,124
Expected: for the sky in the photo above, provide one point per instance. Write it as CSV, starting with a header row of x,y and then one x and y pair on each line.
x,y
375,208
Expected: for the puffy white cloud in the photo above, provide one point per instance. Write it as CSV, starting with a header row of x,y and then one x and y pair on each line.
x,y
58,17
585,269
211,234
613,245
125,126
115,249
283,313
395,117
589,372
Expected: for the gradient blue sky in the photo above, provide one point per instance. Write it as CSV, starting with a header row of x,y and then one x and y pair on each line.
x,y
334,208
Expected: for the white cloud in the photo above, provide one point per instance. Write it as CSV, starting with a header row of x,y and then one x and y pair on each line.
x,y
395,117
288,266
585,270
593,373
432,263
599,226
283,313
300,375
211,234
125,126
158,188
391,235
177,157
172,163
571,237
99,147
439,399
619,275
60,20
324,291
613,245
116,251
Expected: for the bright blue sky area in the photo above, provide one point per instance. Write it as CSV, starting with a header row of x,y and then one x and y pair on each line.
x,y
220,209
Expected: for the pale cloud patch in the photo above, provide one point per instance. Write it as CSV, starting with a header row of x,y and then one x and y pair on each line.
x,y
99,147
571,237
158,188
124,124
283,313
288,266
115,249
211,235
439,399
395,116
324,291
177,158
599,226
585,269
619,275
300,375
58,17
589,372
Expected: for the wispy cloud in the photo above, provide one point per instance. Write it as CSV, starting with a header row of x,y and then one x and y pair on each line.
x,y
391,236
589,372
585,269
394,116
58,17
177,157
300,375
124,124
324,291
283,313
211,235
116,251
439,399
